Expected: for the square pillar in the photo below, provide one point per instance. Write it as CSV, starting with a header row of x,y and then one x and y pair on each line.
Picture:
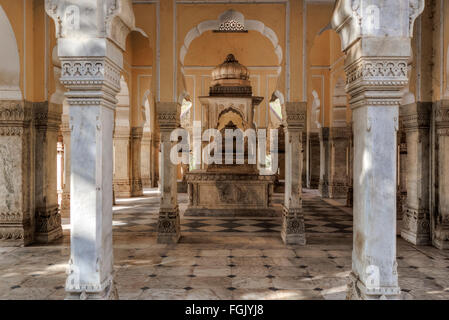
x,y
48,217
16,174
293,228
339,138
324,162
65,201
145,159
169,227
416,217
350,190
122,163
136,143
314,162
92,84
441,233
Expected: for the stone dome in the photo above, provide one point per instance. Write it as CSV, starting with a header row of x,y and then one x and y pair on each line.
x,y
230,73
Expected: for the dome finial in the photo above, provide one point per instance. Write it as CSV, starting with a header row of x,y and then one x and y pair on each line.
x,y
230,58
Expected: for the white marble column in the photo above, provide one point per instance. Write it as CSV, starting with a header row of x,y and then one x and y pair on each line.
x,y
293,229
91,40
65,201
325,164
378,47
441,232
416,216
91,121
47,119
169,228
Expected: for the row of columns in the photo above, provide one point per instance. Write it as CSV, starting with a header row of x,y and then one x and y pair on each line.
x,y
376,68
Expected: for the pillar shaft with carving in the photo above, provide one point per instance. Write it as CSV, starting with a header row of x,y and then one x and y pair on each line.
x,y
168,229
339,141
16,217
136,144
350,190
377,43
47,118
92,83
441,233
416,217
314,162
65,201
325,160
293,229
145,157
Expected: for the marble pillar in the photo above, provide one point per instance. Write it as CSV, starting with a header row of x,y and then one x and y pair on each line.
x,y
136,144
416,216
314,160
155,151
145,160
338,177
441,233
325,164
293,228
304,159
65,201
377,43
402,172
16,173
168,228
122,163
350,190
47,120
92,83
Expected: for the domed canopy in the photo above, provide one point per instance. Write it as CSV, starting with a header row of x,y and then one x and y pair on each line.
x,y
230,74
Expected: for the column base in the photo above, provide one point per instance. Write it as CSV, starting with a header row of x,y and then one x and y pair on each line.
x,y
349,197
415,227
137,190
108,293
48,225
122,188
15,235
65,205
337,191
358,291
169,226
314,183
293,228
324,189
146,182
441,237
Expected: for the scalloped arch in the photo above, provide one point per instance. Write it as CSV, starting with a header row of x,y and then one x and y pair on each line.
x,y
210,25
9,61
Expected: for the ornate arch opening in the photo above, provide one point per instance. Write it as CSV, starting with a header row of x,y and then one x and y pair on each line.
x,y
9,61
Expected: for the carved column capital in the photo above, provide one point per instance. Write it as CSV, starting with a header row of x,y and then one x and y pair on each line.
x,y
442,117
294,116
167,115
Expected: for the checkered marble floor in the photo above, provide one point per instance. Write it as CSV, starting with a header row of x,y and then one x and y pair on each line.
x,y
252,264
320,218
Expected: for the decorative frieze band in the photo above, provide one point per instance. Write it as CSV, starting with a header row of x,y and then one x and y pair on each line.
x,y
93,81
295,116
376,81
415,116
168,116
